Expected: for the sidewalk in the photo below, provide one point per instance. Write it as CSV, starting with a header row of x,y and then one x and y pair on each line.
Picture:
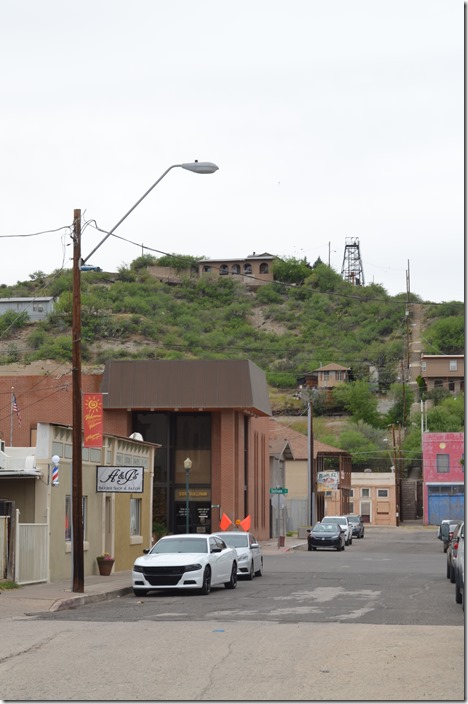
x,y
31,599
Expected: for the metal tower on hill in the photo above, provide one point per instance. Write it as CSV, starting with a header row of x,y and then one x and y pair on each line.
x,y
351,269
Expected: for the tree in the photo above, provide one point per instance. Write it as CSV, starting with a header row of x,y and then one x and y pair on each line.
x,y
446,336
290,270
358,400
403,397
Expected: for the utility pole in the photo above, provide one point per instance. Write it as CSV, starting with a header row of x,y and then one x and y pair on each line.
x,y
312,517
77,468
396,464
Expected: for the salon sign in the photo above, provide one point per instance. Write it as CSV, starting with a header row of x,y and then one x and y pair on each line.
x,y
120,480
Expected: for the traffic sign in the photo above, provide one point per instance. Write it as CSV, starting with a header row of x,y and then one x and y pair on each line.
x,y
278,490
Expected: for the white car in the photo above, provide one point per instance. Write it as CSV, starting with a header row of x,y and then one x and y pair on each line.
x,y
249,552
186,561
345,525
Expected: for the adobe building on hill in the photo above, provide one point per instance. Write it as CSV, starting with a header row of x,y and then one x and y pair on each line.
x,y
214,413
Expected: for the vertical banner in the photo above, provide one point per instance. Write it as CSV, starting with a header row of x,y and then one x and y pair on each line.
x,y
93,422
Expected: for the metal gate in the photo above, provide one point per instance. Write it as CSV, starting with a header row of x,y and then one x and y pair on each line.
x,y
443,506
32,553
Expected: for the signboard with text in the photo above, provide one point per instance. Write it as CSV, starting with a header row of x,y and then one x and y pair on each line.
x,y
93,423
327,481
120,480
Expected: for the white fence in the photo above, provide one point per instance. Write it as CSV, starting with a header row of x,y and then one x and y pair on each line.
x,y
32,553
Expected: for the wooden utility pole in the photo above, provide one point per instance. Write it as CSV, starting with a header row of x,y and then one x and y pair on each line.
x,y
77,468
396,464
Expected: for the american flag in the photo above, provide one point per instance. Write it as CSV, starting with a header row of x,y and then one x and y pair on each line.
x,y
16,410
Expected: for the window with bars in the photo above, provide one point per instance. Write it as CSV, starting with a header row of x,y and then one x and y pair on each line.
x,y
443,464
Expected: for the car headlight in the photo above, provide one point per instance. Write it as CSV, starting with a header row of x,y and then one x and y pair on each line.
x,y
192,568
243,558
138,568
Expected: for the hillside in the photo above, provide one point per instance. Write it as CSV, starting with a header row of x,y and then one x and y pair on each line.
x,y
288,328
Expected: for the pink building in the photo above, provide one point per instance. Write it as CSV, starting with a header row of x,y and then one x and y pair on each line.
x,y
443,477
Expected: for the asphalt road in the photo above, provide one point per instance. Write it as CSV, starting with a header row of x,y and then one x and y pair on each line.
x,y
377,622
386,578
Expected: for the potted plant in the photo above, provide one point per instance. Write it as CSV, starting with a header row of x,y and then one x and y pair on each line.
x,y
105,563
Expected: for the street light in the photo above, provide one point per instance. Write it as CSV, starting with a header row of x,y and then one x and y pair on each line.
x,y
187,467
197,167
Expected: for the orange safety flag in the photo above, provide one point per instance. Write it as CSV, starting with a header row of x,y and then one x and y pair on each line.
x,y
225,522
246,523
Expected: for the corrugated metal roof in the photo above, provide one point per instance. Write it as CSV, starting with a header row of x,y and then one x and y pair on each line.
x,y
186,385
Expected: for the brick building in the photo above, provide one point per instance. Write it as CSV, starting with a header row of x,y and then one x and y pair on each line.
x,y
214,412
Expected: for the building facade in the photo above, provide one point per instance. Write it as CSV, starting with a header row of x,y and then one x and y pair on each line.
x,y
254,270
443,371
443,477
37,308
114,521
212,412
373,497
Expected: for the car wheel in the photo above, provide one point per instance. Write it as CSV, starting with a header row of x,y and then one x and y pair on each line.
x,y
251,574
458,594
343,546
350,541
452,575
448,570
309,548
445,549
140,592
206,586
232,584
259,572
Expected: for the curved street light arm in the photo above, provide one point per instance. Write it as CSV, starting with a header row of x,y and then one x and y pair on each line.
x,y
83,261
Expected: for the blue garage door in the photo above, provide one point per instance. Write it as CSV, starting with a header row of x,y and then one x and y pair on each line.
x,y
445,502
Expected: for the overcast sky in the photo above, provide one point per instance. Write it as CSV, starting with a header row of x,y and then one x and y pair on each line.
x,y
327,120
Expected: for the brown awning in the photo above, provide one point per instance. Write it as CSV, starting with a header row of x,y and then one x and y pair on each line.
x,y
201,385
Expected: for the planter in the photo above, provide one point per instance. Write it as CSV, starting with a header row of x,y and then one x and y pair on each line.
x,y
105,567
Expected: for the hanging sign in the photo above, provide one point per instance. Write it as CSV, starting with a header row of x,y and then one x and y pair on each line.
x,y
119,479
327,480
93,421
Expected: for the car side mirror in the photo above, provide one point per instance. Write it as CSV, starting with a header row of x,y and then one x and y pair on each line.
x,y
254,545
146,551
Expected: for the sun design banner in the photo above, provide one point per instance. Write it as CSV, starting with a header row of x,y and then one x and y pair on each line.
x,y
93,424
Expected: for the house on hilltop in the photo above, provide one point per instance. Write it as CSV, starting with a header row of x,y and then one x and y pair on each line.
x,y
254,270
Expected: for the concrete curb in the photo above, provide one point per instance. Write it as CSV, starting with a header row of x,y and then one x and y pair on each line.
x,y
72,602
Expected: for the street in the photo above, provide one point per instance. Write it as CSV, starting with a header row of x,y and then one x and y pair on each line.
x,y
367,623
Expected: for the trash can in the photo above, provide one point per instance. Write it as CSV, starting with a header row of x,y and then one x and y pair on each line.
x,y
281,541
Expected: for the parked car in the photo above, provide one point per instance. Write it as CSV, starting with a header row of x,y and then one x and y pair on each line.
x,y
445,531
187,561
460,568
326,535
358,526
344,523
452,554
249,552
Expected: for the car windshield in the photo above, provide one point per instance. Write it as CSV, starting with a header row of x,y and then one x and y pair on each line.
x,y
353,519
334,519
326,528
180,545
236,541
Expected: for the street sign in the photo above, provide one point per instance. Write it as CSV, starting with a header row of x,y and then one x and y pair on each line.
x,y
278,490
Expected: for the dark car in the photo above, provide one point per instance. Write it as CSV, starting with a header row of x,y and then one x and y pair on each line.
x,y
358,526
445,531
326,535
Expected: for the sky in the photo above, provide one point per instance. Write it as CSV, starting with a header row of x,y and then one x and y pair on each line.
x,y
327,120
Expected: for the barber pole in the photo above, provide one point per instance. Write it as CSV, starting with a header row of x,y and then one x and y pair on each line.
x,y
55,476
